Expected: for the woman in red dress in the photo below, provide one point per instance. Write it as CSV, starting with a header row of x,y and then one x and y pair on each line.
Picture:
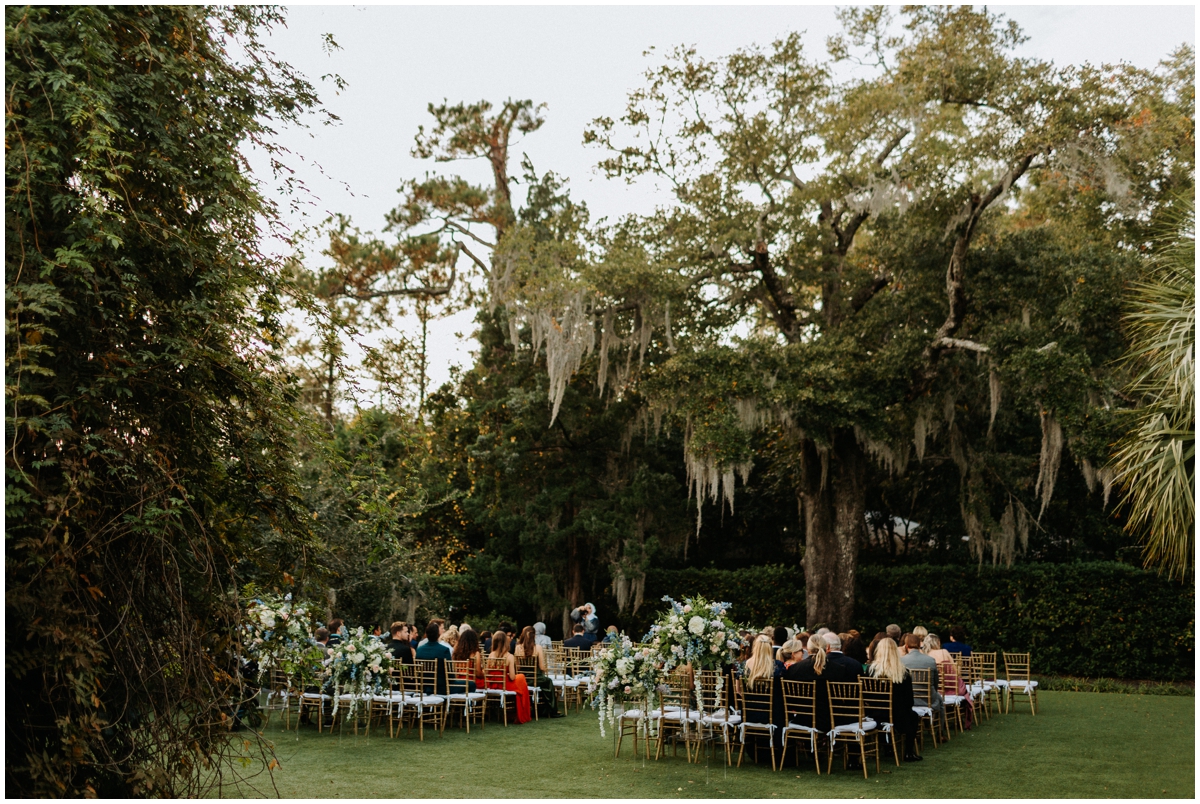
x,y
512,680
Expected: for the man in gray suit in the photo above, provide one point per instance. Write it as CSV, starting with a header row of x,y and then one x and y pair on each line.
x,y
915,660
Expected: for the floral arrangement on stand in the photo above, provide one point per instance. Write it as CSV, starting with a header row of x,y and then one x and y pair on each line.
x,y
695,632
624,672
358,665
277,634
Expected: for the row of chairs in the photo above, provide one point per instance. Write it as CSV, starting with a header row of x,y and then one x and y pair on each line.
x,y
696,710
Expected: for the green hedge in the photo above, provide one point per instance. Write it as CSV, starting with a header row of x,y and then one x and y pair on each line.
x,y
1087,619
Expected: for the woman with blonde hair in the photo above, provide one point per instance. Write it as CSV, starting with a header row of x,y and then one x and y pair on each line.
x,y
887,665
812,669
762,667
451,636
931,646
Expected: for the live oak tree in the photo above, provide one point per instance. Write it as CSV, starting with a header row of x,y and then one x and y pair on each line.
x,y
781,176
149,424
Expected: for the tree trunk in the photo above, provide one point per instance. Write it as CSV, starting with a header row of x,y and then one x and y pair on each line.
x,y
833,493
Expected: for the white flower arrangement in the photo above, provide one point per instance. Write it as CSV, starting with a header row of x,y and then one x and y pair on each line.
x,y
704,640
357,665
622,673
277,634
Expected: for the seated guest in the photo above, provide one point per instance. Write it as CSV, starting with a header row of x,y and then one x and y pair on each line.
x,y
821,632
920,632
451,637
802,640
932,646
527,646
855,649
539,635
812,668
790,653
763,666
778,636
485,641
511,679
914,659
893,632
611,635
871,648
467,650
839,666
400,646
431,648
337,631
322,637
958,641
441,631
578,639
904,721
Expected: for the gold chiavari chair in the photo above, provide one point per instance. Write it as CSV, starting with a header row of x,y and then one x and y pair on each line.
x,y
800,703
718,719
470,705
404,681
384,701
993,688
1016,674
634,722
311,699
528,667
877,705
560,677
756,702
948,679
430,705
496,673
922,682
974,679
279,697
675,716
850,725
579,666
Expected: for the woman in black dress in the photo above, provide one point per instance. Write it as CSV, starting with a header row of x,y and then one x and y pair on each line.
x,y
904,720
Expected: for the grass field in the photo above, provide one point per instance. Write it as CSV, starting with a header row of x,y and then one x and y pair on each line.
x,y
1079,745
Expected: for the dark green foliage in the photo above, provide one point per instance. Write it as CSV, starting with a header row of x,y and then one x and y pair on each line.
x,y
1090,619
149,426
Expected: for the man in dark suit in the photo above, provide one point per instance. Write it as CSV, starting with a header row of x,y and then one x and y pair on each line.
x,y
840,667
400,646
579,639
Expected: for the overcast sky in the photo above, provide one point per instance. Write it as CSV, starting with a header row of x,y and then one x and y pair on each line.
x,y
581,61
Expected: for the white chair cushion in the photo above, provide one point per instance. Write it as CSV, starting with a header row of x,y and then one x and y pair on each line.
x,y
631,714
801,727
676,716
566,682
1000,682
954,700
501,692
713,720
316,696
923,711
854,728
1021,685
430,700
720,713
466,696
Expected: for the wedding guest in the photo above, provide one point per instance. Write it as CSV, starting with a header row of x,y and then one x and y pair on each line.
x,y
920,632
400,646
527,646
958,641
812,668
802,639
467,650
578,638
904,721
431,648
511,679
337,631
840,667
539,630
871,648
893,632
778,636
451,637
485,641
932,646
763,666
855,649
322,637
914,659
611,635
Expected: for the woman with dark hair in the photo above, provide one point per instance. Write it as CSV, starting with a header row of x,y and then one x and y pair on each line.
x,y
512,680
879,635
527,646
778,637
856,650
467,650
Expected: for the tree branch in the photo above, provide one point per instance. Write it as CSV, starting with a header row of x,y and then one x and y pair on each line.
x,y
867,292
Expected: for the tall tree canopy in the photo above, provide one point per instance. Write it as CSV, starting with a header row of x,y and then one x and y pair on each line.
x,y
149,426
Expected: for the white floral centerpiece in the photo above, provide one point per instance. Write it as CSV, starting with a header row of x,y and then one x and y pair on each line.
x,y
277,634
358,665
697,633
624,672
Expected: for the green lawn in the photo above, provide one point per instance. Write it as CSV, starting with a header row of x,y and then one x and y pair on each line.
x,y
1079,745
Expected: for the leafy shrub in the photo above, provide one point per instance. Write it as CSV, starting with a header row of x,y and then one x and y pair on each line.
x,y
1087,619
